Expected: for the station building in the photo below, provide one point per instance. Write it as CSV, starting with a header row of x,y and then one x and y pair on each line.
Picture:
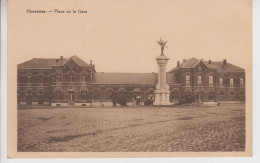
x,y
72,81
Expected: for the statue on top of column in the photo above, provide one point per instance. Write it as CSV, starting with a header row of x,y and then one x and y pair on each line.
x,y
162,44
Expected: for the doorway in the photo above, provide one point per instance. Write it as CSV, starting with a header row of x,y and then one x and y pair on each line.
x,y
71,98
29,99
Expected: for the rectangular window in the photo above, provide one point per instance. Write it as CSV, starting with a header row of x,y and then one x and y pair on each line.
x,y
84,79
71,78
58,79
210,79
221,93
187,79
199,79
242,93
241,82
221,81
29,79
41,79
232,93
231,81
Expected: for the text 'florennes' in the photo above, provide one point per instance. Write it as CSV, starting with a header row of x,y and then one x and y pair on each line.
x,y
57,11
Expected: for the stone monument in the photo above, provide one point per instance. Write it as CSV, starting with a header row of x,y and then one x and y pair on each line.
x,y
162,89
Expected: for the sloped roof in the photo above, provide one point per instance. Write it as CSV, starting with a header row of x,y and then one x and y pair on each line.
x,y
171,78
46,63
190,63
187,64
37,63
79,61
125,78
230,67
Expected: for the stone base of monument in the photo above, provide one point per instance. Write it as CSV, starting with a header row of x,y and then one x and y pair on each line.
x,y
162,97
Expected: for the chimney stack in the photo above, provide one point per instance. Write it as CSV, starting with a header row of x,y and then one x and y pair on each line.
x,y
184,60
61,58
209,61
225,62
90,62
57,60
178,64
93,66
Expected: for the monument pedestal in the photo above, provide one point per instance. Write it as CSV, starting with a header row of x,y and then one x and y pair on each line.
x,y
162,93
162,97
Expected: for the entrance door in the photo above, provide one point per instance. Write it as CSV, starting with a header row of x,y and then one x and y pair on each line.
x,y
29,99
211,95
71,98
40,99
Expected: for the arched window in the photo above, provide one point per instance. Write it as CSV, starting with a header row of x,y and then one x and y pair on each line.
x,y
121,92
58,93
109,93
83,94
211,79
97,94
175,95
199,92
200,79
40,92
187,78
58,76
151,94
137,92
29,92
71,76
83,76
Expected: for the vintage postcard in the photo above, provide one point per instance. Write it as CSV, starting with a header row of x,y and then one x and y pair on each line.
x,y
129,78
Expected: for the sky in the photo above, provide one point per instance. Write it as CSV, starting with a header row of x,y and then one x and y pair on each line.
x,y
121,35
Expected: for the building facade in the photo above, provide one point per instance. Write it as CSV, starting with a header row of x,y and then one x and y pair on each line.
x,y
72,81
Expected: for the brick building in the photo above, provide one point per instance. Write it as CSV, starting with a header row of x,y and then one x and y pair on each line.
x,y
72,81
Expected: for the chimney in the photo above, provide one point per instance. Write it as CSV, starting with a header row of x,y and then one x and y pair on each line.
x,y
57,60
209,61
93,66
61,58
90,62
225,62
184,60
178,64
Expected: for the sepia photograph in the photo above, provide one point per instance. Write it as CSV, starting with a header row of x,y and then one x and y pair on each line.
x,y
126,78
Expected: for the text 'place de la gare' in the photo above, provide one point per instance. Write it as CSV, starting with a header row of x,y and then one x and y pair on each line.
x,y
72,81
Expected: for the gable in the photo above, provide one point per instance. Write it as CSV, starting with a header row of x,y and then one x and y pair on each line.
x,y
70,64
200,66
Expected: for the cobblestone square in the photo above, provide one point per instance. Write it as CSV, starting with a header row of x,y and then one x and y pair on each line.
x,y
130,129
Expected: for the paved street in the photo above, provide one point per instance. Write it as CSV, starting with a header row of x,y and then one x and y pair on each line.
x,y
143,129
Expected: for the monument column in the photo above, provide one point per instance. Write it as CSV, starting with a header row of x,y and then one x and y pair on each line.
x,y
162,92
